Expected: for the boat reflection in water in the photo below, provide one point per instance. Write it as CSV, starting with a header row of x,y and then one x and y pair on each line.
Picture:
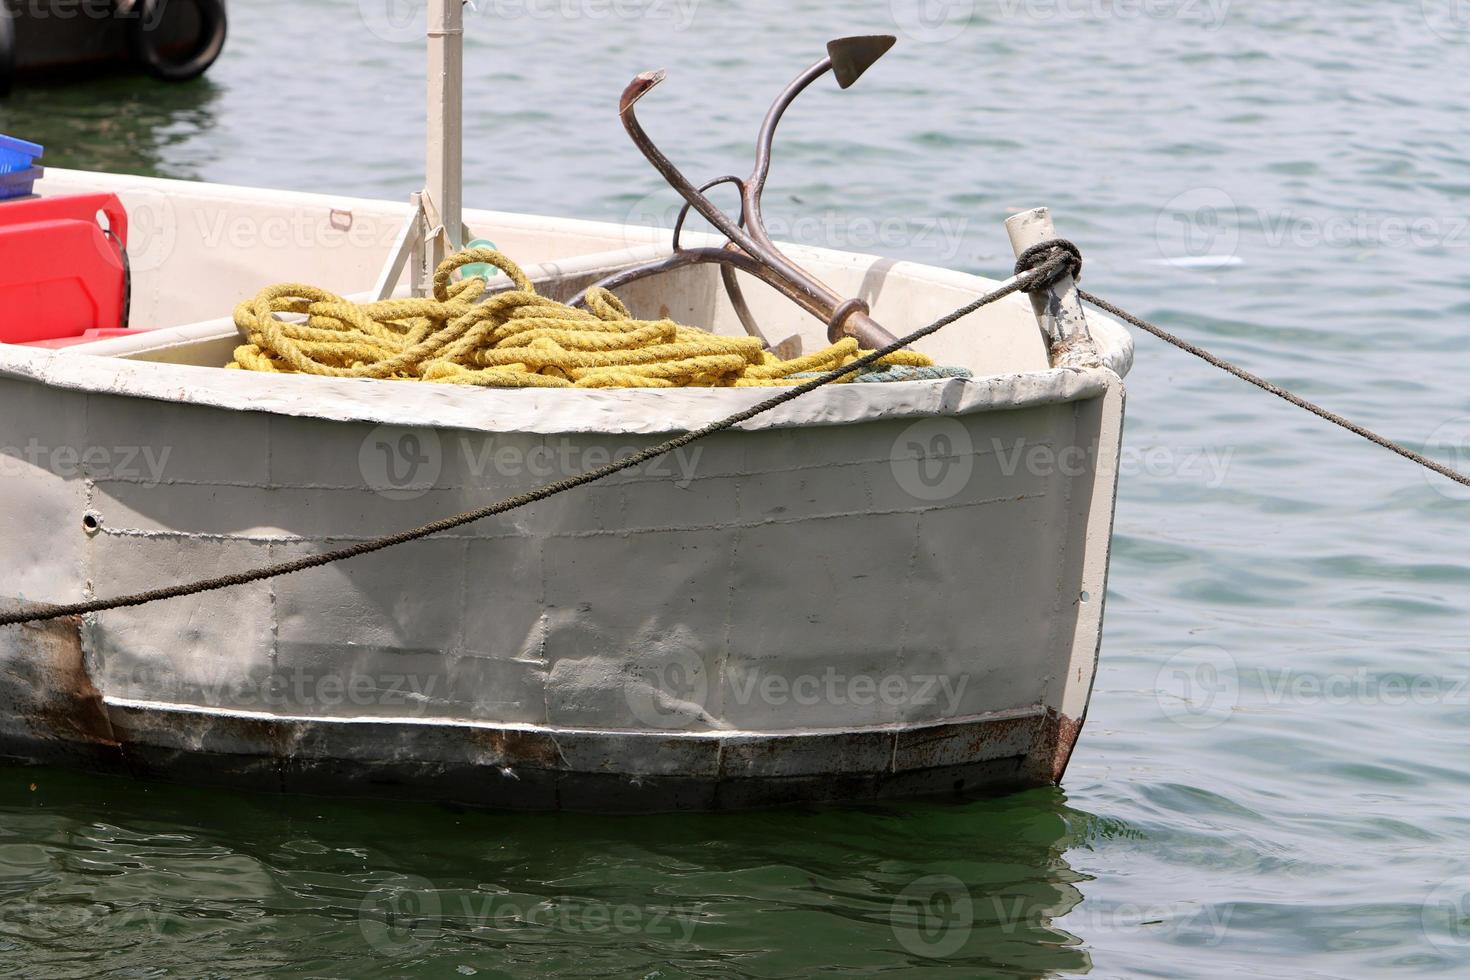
x,y
804,892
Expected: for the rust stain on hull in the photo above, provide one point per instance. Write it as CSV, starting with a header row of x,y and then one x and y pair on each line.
x,y
1054,748
51,711
514,749
47,690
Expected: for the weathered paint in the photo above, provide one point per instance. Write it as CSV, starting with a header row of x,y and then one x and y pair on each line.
x,y
543,642
527,768
47,698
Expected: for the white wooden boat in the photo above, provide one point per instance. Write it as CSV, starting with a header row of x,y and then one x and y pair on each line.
x,y
874,591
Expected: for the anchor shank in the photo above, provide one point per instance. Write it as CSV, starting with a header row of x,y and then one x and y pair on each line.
x,y
750,246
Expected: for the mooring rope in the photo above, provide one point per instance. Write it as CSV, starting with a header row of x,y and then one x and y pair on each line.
x,y
1037,254
1039,267
1277,390
518,338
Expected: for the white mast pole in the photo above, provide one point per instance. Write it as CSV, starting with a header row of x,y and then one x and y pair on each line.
x,y
445,151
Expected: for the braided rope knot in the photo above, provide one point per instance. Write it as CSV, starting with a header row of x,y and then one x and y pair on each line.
x,y
1041,253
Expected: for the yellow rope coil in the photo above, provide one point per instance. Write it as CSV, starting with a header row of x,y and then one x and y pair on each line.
x,y
513,339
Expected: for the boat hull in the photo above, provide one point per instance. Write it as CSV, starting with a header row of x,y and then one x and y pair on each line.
x,y
57,717
872,592
781,619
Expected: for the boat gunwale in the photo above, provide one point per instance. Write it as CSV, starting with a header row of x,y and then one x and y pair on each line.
x,y
552,411
544,411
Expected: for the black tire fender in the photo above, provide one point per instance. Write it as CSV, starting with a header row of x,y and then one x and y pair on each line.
x,y
7,48
143,39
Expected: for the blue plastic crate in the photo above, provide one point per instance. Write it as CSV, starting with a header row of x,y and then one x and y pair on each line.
x,y
17,154
19,183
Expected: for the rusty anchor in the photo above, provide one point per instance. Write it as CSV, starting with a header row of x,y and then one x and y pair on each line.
x,y
749,248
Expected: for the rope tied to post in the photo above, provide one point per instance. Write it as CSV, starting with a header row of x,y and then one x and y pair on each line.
x,y
1039,254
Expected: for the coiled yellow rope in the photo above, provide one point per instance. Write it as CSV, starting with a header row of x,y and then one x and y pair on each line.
x,y
513,339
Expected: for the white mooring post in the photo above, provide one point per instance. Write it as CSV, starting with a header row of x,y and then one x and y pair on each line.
x,y
1059,309
445,151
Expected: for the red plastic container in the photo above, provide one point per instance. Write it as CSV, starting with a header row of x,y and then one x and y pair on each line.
x,y
61,274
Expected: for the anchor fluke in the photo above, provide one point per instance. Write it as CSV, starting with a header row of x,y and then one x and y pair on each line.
x,y
640,86
851,56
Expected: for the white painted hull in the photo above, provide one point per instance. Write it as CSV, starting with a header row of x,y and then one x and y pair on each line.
x,y
874,591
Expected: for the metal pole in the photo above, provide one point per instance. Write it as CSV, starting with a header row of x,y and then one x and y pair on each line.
x,y
445,152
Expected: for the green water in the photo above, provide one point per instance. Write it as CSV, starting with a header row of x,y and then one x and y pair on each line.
x,y
1274,778
107,876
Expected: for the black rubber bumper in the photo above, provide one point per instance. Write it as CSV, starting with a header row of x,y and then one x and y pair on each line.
x,y
146,32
